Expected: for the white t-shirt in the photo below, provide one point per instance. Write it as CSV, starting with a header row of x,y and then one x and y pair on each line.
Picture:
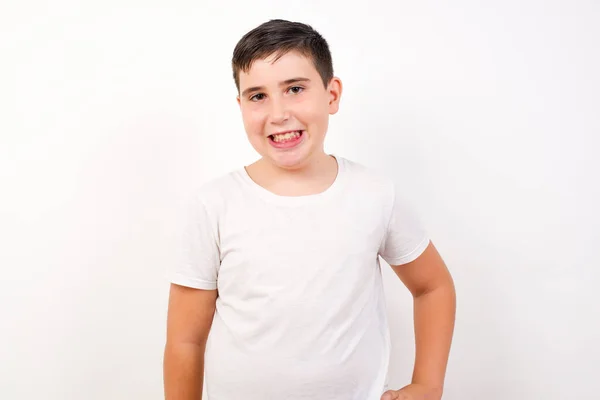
x,y
300,312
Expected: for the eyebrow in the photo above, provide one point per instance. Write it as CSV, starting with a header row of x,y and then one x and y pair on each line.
x,y
283,83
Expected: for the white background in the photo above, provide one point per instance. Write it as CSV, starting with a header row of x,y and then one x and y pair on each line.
x,y
488,113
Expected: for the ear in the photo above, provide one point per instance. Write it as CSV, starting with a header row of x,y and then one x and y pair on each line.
x,y
238,100
334,90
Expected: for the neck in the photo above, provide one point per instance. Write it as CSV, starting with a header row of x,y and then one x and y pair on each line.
x,y
314,176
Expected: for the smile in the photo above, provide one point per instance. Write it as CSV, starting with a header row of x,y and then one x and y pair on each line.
x,y
286,139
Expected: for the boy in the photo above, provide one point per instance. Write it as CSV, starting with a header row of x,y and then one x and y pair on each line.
x,y
281,259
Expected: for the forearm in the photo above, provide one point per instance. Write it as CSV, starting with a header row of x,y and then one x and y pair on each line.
x,y
434,316
183,371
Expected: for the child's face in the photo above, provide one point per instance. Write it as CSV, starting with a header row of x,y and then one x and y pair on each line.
x,y
287,96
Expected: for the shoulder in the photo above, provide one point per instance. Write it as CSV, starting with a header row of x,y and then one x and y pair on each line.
x,y
377,187
369,180
214,193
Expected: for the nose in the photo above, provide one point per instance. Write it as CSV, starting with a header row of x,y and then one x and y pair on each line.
x,y
279,112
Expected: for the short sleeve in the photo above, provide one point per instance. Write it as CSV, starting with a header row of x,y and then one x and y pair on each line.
x,y
198,257
405,238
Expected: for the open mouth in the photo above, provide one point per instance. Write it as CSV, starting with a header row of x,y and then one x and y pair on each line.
x,y
287,139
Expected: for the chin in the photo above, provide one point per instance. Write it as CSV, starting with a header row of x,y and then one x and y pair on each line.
x,y
291,160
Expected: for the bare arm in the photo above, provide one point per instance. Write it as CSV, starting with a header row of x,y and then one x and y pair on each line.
x,y
434,295
189,321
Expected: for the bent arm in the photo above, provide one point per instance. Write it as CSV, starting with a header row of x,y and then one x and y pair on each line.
x,y
432,287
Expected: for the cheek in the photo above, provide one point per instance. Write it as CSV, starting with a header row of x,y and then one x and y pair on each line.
x,y
253,120
316,114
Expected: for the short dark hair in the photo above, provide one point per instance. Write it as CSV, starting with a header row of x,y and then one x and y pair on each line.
x,y
279,37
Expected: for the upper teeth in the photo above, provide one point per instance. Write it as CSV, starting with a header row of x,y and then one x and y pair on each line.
x,y
286,136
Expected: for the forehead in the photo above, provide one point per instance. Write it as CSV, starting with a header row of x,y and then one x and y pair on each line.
x,y
269,71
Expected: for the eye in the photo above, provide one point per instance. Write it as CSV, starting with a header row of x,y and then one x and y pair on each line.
x,y
296,89
257,97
